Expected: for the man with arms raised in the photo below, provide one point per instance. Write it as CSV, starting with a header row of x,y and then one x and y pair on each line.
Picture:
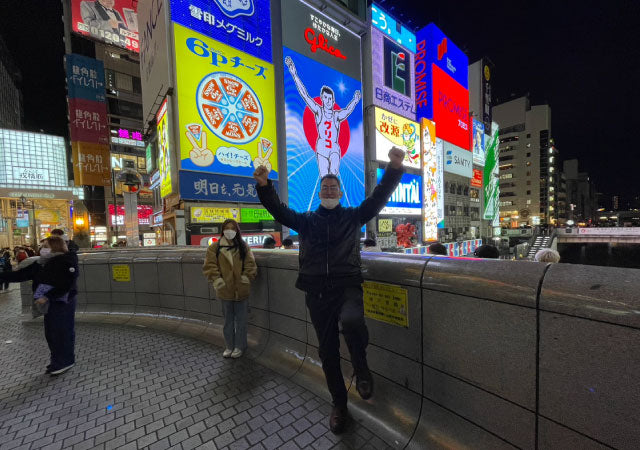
x,y
330,273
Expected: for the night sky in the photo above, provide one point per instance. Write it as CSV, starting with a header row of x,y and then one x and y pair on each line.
x,y
583,59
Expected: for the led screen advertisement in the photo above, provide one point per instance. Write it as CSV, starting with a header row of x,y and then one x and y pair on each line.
x,y
393,76
437,49
477,145
451,109
164,149
395,131
242,24
491,179
476,180
432,176
226,100
114,22
144,215
322,92
406,200
381,20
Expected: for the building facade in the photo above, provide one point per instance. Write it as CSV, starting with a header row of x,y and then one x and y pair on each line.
x,y
529,175
581,194
11,110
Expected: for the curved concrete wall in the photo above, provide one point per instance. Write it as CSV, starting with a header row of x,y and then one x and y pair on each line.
x,y
497,354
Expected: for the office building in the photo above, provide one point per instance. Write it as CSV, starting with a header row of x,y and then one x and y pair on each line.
x,y
11,109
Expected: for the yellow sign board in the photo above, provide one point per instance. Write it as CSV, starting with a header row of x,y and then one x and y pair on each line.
x,y
393,130
385,225
90,164
50,216
213,215
164,144
227,114
121,272
387,303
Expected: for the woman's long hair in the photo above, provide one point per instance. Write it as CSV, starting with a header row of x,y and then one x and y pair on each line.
x,y
238,241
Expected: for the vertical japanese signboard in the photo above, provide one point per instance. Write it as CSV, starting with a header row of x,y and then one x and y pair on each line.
x,y
88,121
164,149
491,179
322,90
432,175
477,144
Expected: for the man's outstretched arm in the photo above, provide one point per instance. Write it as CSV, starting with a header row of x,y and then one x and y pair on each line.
x,y
302,90
270,200
373,204
346,112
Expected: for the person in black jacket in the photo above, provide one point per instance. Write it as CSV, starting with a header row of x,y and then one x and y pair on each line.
x,y
5,266
330,273
54,274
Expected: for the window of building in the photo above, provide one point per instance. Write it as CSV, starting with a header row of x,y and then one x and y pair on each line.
x,y
528,182
528,163
528,173
528,154
528,135
466,192
528,192
528,201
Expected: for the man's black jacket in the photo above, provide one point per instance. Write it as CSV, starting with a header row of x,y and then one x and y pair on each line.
x,y
330,238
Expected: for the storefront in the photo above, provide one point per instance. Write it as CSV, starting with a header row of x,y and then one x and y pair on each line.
x,y
35,196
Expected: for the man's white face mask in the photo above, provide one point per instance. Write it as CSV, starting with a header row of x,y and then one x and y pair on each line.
x,y
329,203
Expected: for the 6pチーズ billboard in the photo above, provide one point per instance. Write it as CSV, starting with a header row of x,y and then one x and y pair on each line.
x,y
242,24
226,100
114,22
393,77
395,131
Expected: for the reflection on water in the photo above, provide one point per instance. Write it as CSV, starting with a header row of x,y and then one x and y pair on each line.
x,y
613,255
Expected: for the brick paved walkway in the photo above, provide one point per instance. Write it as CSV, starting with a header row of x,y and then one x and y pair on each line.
x,y
138,388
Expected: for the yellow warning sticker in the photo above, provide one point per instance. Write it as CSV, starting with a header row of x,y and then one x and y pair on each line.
x,y
121,272
387,303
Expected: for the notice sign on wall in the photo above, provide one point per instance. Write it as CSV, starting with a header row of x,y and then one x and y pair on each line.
x,y
386,303
121,272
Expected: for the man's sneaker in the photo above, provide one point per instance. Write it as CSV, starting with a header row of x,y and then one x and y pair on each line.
x,y
338,419
364,385
227,353
236,353
62,370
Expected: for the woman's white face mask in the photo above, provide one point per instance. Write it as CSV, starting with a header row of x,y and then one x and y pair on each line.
x,y
230,234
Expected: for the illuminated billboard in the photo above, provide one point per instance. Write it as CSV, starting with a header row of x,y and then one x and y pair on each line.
x,y
164,149
396,131
91,165
457,160
491,178
437,49
144,215
393,76
432,176
451,109
114,22
226,100
476,180
391,28
477,146
213,215
85,78
242,24
322,93
406,200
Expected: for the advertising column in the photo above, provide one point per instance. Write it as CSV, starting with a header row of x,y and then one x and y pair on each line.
x,y
88,121
323,108
491,178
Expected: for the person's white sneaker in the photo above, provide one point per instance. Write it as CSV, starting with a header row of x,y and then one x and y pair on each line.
x,y
237,353
227,353
61,370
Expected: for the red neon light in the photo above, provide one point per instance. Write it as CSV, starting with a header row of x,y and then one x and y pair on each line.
x,y
321,42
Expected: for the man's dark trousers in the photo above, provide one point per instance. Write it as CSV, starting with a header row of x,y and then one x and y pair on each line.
x,y
327,308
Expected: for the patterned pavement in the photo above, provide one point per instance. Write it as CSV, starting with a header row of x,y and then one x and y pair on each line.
x,y
135,388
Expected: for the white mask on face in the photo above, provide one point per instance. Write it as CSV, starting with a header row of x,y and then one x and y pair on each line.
x,y
329,203
230,234
45,251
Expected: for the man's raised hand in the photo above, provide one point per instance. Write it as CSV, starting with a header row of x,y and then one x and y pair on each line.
x,y
396,157
261,175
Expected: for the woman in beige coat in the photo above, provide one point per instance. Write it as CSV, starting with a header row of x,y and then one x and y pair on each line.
x,y
229,266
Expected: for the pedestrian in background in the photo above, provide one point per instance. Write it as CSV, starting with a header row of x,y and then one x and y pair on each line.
x,y
230,266
54,277
269,243
487,251
287,244
5,267
438,249
547,255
